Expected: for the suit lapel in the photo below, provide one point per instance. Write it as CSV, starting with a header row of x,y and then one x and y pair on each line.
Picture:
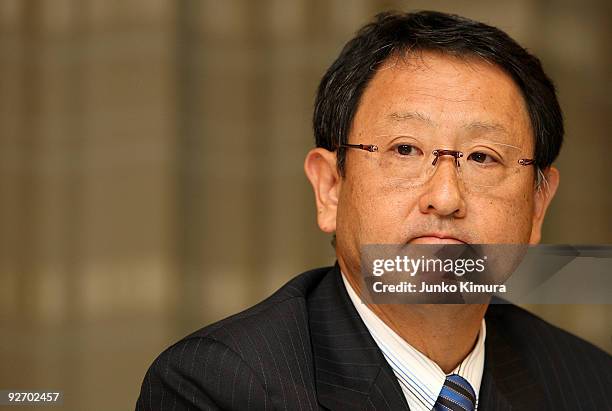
x,y
350,370
507,381
490,397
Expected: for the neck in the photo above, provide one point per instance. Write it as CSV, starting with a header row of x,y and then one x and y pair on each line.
x,y
445,333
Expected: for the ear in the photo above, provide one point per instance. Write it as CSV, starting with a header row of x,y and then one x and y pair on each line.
x,y
321,170
543,196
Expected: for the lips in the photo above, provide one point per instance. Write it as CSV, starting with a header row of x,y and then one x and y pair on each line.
x,y
436,238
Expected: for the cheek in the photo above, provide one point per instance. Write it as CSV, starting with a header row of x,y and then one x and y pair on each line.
x,y
370,215
507,220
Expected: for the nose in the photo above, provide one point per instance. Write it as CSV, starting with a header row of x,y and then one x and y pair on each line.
x,y
442,195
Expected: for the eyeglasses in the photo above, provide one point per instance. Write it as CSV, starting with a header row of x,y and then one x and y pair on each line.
x,y
480,163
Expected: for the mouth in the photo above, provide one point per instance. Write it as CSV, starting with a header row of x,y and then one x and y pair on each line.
x,y
436,238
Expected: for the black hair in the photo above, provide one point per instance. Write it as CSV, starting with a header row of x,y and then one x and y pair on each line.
x,y
391,33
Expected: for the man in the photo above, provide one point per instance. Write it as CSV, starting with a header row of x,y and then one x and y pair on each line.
x,y
408,89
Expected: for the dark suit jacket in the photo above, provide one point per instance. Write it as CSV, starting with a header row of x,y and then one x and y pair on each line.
x,y
306,348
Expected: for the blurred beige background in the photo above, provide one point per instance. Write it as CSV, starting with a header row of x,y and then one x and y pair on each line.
x,y
151,168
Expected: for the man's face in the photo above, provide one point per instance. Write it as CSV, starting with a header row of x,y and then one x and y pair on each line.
x,y
443,103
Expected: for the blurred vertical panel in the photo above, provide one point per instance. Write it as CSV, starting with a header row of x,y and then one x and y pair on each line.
x,y
11,109
574,40
188,225
27,142
213,158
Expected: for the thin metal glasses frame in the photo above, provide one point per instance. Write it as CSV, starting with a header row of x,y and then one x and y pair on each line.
x,y
437,154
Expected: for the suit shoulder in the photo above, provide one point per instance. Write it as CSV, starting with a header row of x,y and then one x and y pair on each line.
x,y
572,372
544,338
242,349
269,327
193,374
280,309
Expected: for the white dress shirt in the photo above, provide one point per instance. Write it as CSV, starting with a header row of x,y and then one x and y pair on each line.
x,y
421,379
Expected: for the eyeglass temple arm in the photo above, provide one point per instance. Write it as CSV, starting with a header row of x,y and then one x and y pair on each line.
x,y
367,147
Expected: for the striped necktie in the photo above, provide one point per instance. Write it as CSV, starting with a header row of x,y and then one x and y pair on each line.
x,y
457,395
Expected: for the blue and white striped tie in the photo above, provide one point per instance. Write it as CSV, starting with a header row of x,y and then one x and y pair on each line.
x,y
456,395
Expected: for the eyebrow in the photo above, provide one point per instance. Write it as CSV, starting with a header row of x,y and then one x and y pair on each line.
x,y
410,115
487,127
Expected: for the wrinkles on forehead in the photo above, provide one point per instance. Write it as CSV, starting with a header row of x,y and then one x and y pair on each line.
x,y
477,126
447,97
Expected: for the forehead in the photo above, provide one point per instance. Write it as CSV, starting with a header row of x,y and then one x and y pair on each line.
x,y
445,96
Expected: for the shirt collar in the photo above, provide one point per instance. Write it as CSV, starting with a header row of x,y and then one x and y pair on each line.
x,y
421,379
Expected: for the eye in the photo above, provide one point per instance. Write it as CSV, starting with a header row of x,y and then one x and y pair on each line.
x,y
482,158
407,150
